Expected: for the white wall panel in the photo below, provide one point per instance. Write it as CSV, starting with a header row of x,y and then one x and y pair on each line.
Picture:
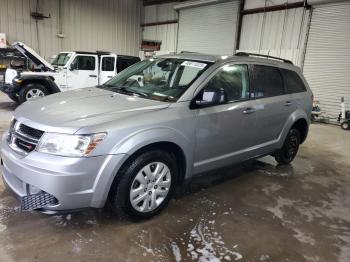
x,y
111,25
158,13
278,33
167,33
327,60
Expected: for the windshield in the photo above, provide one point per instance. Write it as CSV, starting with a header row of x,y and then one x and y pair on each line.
x,y
164,79
61,59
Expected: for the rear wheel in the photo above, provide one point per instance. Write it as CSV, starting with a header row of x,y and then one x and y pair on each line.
x,y
290,148
145,185
31,92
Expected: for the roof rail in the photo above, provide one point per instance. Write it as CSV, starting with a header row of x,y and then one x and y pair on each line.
x,y
266,56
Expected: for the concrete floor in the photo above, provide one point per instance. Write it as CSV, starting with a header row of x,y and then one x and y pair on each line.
x,y
255,212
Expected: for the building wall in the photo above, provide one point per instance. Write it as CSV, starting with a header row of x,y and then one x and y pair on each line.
x,y
165,33
278,33
106,25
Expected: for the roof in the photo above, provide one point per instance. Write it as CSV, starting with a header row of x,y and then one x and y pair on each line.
x,y
244,57
102,53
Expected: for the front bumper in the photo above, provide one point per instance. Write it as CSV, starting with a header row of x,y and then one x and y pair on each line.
x,y
75,182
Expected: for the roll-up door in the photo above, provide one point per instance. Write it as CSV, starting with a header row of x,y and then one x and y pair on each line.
x,y
208,28
327,60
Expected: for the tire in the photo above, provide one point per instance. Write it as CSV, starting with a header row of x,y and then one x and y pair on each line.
x,y
345,125
31,92
290,148
140,204
14,97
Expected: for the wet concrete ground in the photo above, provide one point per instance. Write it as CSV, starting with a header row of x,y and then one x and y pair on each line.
x,y
252,212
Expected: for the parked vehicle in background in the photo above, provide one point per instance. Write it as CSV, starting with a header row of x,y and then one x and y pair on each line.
x,y
135,143
69,70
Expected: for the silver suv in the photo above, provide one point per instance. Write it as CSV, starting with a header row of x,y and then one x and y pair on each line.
x,y
150,129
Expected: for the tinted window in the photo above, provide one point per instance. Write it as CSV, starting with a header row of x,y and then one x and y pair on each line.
x,y
121,64
124,62
292,82
108,63
234,80
85,62
267,81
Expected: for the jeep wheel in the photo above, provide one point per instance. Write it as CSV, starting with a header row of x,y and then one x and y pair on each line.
x,y
13,97
32,91
290,148
345,125
144,185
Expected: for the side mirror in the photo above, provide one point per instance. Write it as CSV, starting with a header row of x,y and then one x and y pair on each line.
x,y
73,66
208,97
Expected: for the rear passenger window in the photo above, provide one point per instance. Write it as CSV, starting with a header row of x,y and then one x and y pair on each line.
x,y
292,82
108,63
267,81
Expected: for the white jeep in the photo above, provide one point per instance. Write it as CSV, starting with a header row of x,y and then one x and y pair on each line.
x,y
69,70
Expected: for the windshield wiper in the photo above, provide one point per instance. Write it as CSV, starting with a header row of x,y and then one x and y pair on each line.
x,y
126,90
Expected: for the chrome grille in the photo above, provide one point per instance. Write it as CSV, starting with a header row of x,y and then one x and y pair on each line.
x,y
22,138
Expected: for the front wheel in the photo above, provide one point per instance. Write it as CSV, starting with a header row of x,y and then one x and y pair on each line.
x,y
345,125
290,148
32,91
145,185
13,97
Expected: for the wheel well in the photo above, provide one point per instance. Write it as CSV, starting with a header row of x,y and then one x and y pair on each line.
x,y
46,82
302,126
169,147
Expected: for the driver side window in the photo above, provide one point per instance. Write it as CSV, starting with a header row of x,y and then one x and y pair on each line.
x,y
84,62
233,81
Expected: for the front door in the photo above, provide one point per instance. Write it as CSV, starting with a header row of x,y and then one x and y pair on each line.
x,y
83,72
107,68
225,132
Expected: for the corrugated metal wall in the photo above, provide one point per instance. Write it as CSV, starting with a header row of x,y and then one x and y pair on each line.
x,y
111,25
165,33
327,61
278,33
209,28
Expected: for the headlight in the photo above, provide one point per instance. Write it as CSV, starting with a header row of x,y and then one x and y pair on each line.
x,y
18,80
69,145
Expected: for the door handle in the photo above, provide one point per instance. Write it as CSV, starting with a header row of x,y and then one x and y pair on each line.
x,y
110,76
288,103
92,75
249,110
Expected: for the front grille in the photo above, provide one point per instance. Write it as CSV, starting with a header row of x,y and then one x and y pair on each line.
x,y
34,133
36,201
23,138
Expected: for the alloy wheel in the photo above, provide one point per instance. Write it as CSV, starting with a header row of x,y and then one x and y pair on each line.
x,y
150,187
34,93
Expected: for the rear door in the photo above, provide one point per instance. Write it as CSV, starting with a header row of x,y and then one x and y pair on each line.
x,y
274,105
85,72
107,68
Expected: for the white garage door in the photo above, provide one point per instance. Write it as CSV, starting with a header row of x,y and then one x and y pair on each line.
x,y
208,29
327,61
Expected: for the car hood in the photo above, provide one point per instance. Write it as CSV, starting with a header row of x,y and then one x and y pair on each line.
x,y
69,111
33,56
